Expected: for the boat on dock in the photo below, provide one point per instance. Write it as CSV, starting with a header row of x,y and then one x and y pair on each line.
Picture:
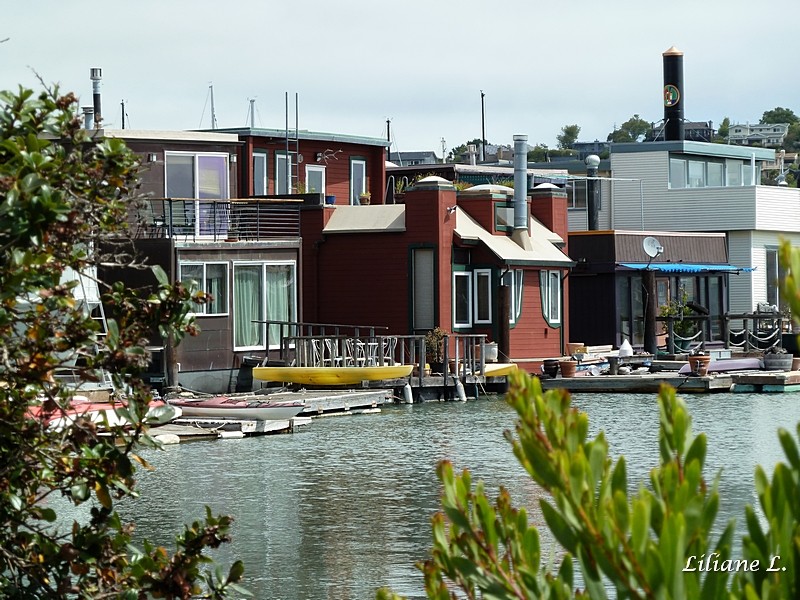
x,y
332,375
224,407
498,369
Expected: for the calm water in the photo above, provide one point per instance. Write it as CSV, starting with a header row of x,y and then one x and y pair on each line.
x,y
344,507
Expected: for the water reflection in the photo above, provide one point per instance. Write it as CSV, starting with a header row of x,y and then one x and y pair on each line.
x,y
344,507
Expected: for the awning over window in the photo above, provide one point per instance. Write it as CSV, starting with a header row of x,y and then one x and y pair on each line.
x,y
686,268
542,253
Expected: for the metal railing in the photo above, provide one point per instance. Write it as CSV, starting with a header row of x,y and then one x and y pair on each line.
x,y
217,220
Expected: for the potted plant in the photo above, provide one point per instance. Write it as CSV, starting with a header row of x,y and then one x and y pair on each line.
x,y
434,349
699,361
682,328
776,358
364,198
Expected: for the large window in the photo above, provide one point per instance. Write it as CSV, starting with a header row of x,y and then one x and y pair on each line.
x,y
315,179
693,172
774,273
550,288
262,292
198,176
212,278
260,174
358,179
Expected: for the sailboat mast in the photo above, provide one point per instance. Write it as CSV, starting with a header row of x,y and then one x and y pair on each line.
x,y
213,112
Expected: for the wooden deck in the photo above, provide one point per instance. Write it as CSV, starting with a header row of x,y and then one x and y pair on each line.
x,y
767,382
641,383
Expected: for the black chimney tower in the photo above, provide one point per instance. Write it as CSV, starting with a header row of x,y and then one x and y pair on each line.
x,y
673,95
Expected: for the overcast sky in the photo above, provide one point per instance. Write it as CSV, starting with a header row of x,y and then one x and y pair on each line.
x,y
421,64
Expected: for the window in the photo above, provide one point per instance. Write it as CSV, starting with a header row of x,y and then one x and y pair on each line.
x,y
283,173
358,179
774,273
697,174
577,194
733,172
462,299
716,174
483,295
503,216
200,177
423,286
261,292
260,174
677,173
514,279
212,278
550,289
315,179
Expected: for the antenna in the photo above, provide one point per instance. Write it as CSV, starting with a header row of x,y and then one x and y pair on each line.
x,y
651,246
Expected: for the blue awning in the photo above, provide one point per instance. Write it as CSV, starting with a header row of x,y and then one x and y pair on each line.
x,y
686,268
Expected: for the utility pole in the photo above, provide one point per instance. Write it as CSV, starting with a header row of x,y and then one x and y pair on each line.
x,y
483,129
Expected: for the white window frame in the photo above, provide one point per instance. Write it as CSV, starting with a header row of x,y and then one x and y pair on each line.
x,y
468,322
355,193
264,305
203,309
264,158
514,279
316,169
282,172
222,224
551,295
482,277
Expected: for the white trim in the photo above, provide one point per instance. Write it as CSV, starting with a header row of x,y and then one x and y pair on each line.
x,y
202,284
316,169
468,276
478,275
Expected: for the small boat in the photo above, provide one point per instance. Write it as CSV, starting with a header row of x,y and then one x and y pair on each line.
x,y
101,413
726,365
331,375
223,407
498,369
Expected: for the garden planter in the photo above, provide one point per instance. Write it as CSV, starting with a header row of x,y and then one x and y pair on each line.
x,y
550,367
699,364
568,367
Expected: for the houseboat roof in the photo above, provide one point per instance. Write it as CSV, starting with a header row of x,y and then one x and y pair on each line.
x,y
304,134
167,135
542,253
699,148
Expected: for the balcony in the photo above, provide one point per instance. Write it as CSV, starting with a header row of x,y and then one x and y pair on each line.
x,y
247,219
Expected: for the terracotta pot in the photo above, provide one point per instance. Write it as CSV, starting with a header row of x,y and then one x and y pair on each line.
x,y
568,367
699,364
796,364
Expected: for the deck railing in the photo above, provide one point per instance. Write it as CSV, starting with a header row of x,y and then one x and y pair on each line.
x,y
217,220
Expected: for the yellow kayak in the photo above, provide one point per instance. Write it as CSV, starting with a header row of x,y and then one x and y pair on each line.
x,y
498,369
331,375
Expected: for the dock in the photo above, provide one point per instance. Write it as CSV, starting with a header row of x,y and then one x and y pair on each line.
x,y
642,383
318,403
767,382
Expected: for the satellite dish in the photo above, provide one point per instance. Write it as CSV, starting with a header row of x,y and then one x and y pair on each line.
x,y
651,246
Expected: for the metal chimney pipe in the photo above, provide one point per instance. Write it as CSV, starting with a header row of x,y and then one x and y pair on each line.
x,y
88,117
520,182
471,152
96,75
673,95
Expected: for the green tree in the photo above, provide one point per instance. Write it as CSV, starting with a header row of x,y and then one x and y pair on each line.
x,y
568,136
644,541
459,153
630,131
779,115
63,206
724,129
539,153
